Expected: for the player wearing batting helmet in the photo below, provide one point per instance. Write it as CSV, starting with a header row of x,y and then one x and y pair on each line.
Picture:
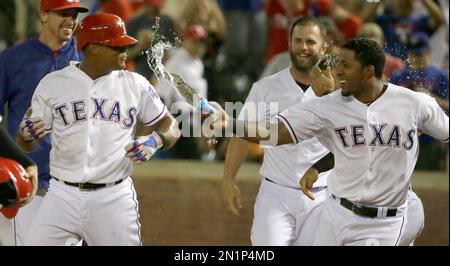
x,y
91,110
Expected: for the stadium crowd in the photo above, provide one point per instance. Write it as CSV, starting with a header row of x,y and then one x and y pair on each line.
x,y
222,46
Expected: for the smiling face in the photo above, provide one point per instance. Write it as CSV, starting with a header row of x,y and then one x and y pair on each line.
x,y
60,24
360,68
306,46
349,71
113,58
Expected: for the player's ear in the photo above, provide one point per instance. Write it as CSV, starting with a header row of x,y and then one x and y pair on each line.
x,y
44,16
90,48
369,71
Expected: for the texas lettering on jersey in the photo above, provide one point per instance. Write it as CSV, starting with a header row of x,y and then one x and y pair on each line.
x,y
384,135
102,109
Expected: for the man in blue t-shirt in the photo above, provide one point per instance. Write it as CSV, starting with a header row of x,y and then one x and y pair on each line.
x,y
21,69
419,75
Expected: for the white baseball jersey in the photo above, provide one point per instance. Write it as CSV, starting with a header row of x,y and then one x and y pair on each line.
x,y
92,121
375,147
286,164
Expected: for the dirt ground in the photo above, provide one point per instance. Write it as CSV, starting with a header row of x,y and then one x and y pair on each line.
x,y
436,208
185,208
180,203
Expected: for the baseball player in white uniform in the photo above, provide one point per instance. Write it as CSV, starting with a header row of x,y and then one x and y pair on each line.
x,y
372,129
415,214
281,208
90,110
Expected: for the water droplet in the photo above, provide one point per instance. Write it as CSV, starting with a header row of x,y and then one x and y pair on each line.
x,y
155,54
211,141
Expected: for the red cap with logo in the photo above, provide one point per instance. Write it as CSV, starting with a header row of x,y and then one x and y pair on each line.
x,y
55,5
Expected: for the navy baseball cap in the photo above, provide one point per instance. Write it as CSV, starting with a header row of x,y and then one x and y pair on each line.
x,y
418,43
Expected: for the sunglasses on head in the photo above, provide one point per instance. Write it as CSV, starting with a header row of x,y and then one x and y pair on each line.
x,y
119,49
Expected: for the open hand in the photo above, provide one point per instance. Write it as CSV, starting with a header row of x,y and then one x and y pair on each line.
x,y
307,181
231,197
322,81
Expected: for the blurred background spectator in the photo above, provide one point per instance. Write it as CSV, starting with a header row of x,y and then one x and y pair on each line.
x,y
241,59
419,75
142,26
374,32
347,23
400,18
7,22
19,20
439,40
281,13
121,8
186,61
208,14
247,40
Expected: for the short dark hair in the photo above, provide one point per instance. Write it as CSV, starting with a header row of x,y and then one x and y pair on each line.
x,y
309,20
368,52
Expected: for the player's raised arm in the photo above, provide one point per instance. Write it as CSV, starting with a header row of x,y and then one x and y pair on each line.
x,y
270,133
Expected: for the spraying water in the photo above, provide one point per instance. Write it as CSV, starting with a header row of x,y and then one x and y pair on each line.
x,y
154,60
155,56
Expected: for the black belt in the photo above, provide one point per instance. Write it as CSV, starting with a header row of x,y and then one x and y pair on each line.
x,y
89,186
371,212
314,189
